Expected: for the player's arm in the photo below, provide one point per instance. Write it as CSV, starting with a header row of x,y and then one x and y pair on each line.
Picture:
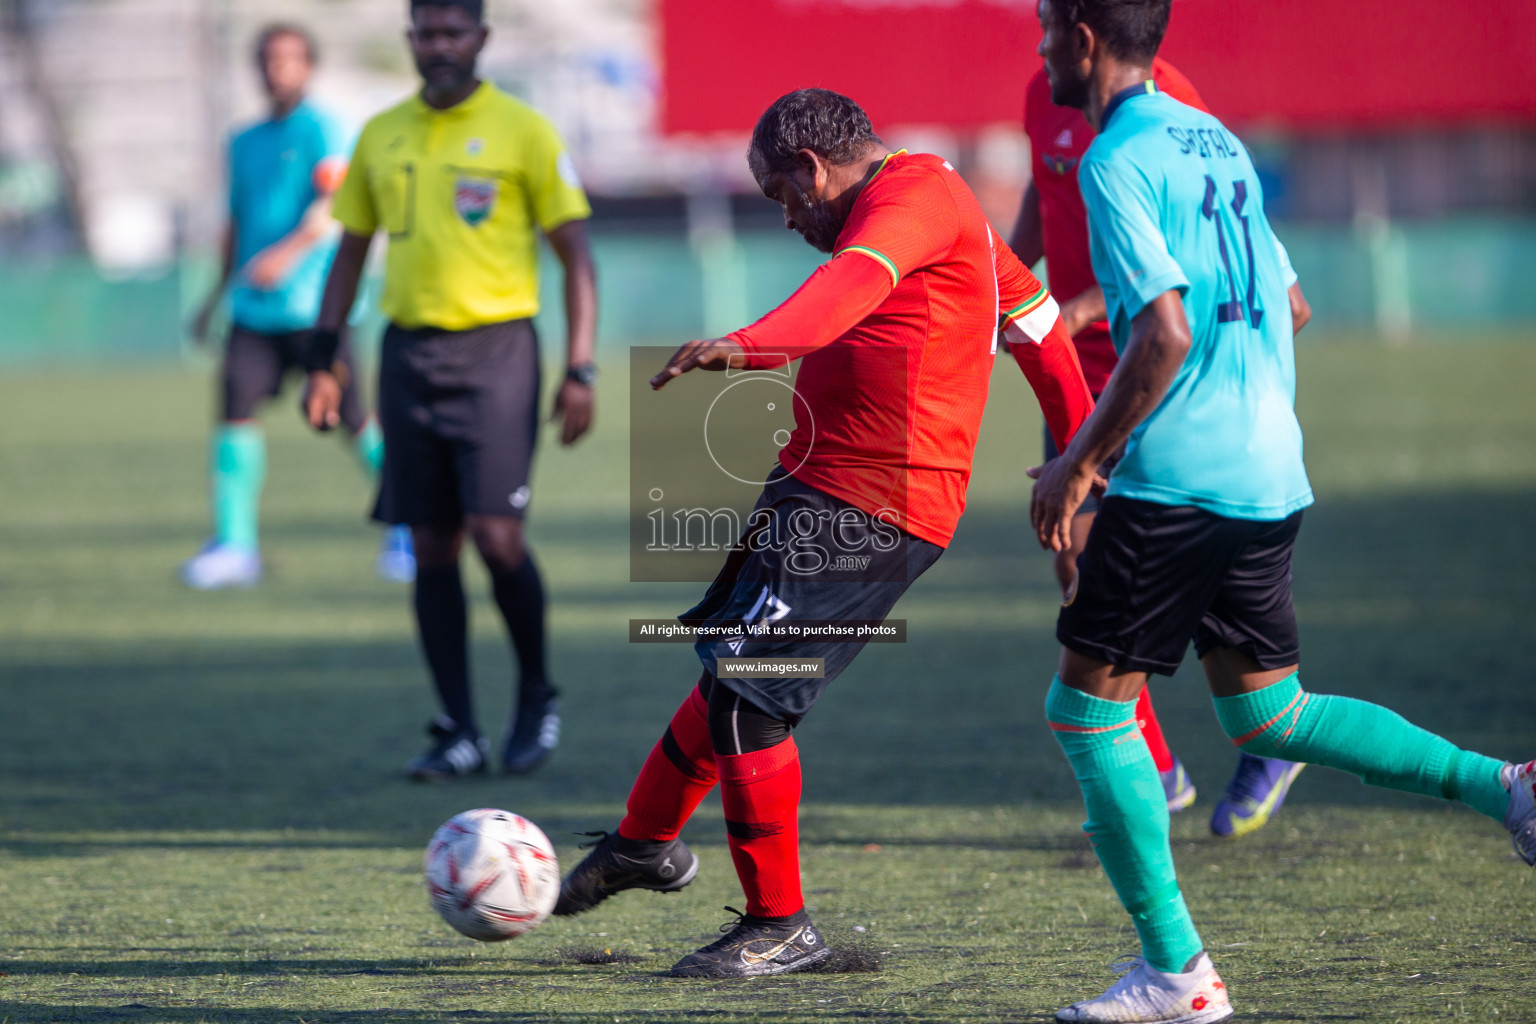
x,y
558,205
1028,241
1131,256
352,205
1051,366
1028,244
1160,339
273,264
1301,309
836,297
227,242
573,403
1083,309
204,317
884,241
322,393
1038,341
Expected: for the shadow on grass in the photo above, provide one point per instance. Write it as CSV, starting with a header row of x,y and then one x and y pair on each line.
x,y
296,967
140,1013
29,846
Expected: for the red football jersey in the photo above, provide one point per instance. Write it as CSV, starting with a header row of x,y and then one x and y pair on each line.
x,y
912,299
1058,138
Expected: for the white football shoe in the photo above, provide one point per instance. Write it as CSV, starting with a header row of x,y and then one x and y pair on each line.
x,y
1144,995
221,565
1520,819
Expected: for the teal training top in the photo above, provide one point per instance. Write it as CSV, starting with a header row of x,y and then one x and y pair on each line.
x,y
273,167
1174,204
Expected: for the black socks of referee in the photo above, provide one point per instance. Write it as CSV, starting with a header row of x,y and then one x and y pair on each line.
x,y
443,622
519,593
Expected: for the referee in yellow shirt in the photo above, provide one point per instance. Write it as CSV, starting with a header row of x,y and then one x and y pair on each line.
x,y
461,177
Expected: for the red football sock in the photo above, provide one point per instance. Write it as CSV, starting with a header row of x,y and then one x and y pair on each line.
x,y
1152,732
761,794
679,772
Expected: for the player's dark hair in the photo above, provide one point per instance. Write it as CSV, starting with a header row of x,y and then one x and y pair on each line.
x,y
1130,29
277,30
475,8
828,124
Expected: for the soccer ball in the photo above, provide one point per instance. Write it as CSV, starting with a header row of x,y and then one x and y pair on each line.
x,y
492,874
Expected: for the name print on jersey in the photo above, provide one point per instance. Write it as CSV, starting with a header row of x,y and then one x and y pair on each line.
x,y
1208,142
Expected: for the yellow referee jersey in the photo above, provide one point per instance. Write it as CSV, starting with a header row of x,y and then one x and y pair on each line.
x,y
460,192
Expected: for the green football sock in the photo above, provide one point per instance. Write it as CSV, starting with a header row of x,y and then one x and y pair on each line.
x,y
1127,818
1367,740
370,447
238,471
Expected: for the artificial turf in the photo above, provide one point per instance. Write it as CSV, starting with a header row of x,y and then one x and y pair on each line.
x,y
202,815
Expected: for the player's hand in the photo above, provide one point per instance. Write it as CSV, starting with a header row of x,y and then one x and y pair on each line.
x,y
573,407
202,323
1061,487
714,354
268,268
321,403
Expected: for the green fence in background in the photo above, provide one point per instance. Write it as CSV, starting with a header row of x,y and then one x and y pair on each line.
x,y
64,312
1399,280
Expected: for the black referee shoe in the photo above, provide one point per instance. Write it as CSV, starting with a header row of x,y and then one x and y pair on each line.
x,y
754,946
454,752
616,864
532,736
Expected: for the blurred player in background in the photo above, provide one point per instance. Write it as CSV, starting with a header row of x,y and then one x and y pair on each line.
x,y
1053,224
1196,531
277,245
897,332
462,177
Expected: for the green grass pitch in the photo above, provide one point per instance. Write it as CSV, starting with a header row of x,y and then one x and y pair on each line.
x,y
202,816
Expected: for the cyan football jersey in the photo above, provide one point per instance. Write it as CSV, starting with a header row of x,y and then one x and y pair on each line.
x,y
272,169
1174,203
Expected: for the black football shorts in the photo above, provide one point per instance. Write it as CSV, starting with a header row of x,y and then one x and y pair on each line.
x,y
1153,577
255,365
806,557
460,412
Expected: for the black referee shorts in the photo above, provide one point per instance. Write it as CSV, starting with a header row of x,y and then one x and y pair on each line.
x,y
460,412
1153,577
806,557
255,365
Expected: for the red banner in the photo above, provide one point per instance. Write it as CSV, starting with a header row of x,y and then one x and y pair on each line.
x,y
1301,64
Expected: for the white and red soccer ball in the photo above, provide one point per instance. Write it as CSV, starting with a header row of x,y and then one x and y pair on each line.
x,y
491,874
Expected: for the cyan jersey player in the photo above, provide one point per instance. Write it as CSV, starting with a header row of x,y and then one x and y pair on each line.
x,y
278,246
1053,224
1200,516
1166,187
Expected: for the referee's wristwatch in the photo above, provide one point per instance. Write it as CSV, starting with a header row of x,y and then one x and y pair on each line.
x,y
584,374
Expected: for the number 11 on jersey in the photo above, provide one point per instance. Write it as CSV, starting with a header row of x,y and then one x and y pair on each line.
x,y
1233,308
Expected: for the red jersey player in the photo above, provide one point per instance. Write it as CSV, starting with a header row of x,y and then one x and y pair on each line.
x,y
1053,224
896,334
